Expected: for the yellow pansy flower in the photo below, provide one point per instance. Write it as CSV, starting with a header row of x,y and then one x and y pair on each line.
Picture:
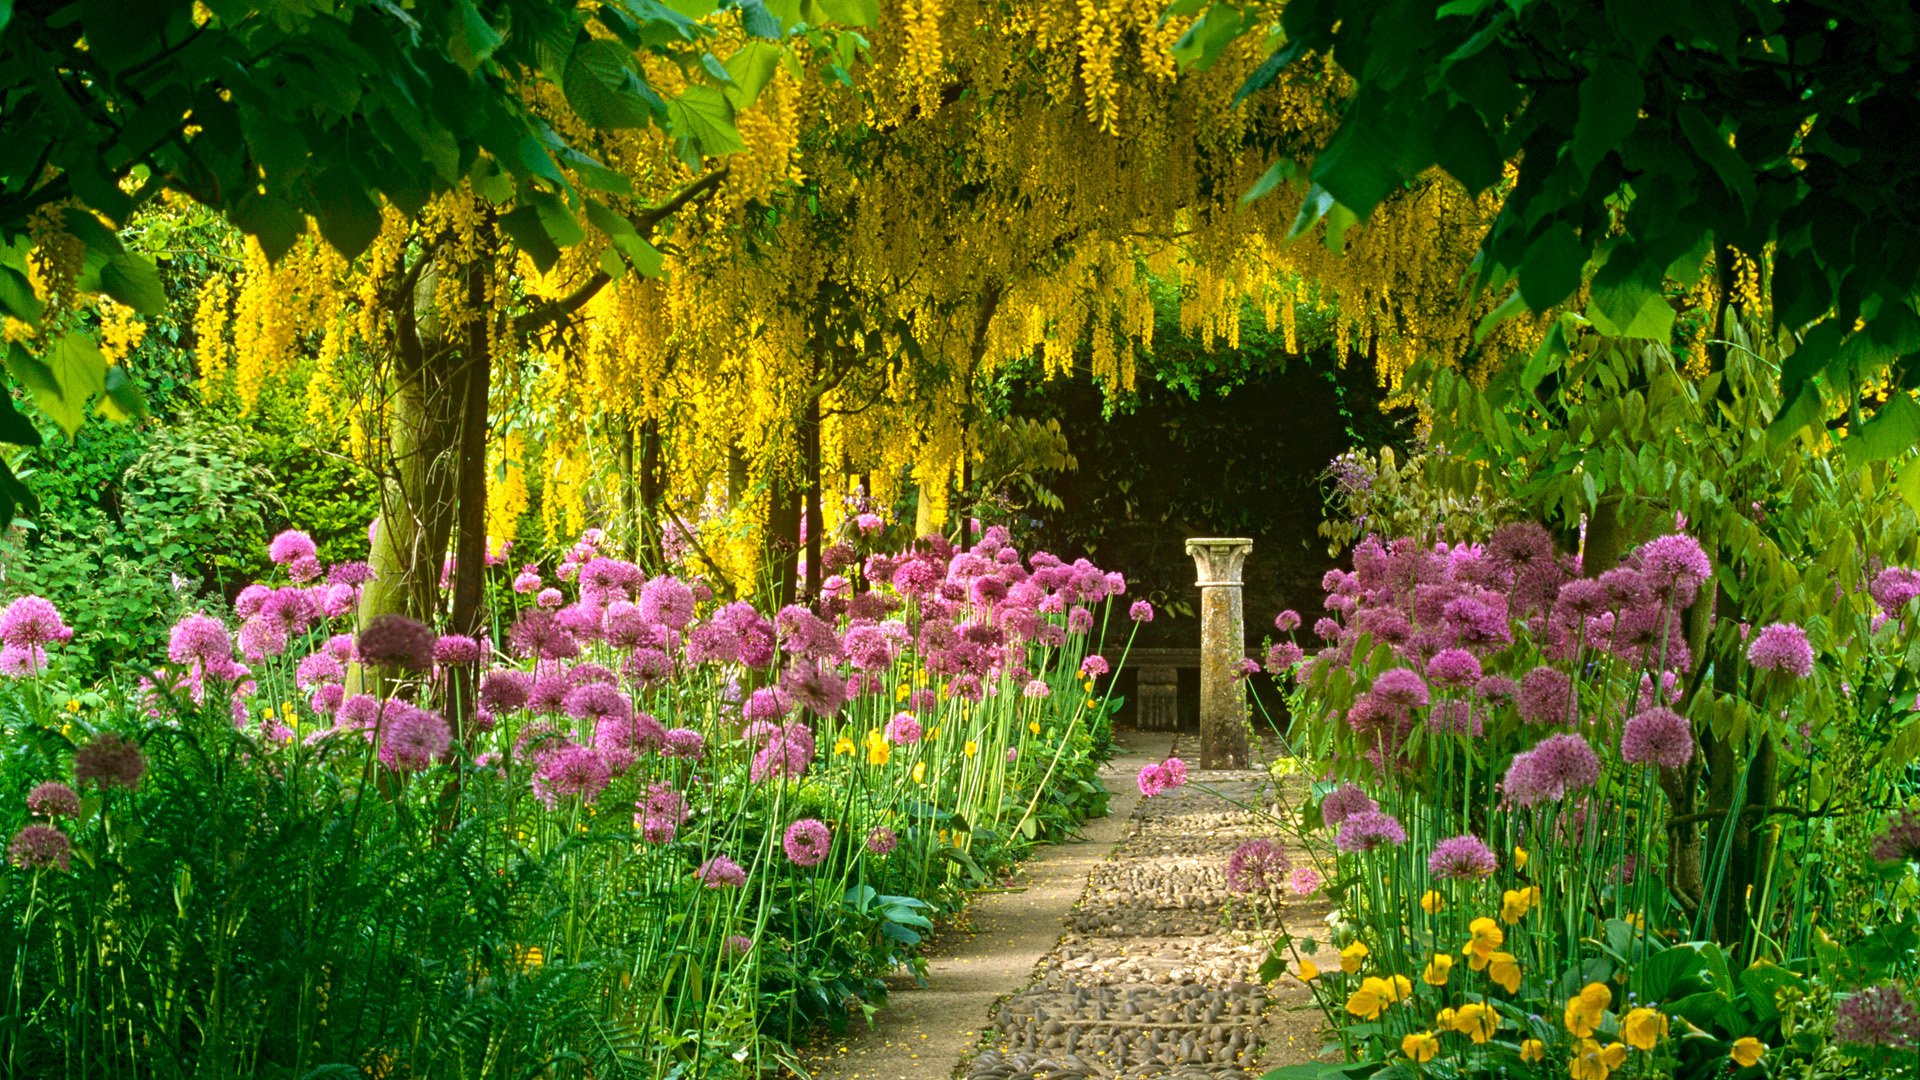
x,y
1515,903
1351,956
1486,940
1033,727
1585,1009
1432,902
842,745
1533,1050
1420,1045
1520,857
919,772
1643,1028
972,748
1476,1020
1504,970
1438,969
879,750
1400,986
1747,1051
1371,999
1309,971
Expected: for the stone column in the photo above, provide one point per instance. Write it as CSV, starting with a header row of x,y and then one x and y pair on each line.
x,y
1223,643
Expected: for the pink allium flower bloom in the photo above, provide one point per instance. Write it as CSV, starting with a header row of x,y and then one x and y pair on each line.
x,y
197,640
660,815
527,580
40,847
1901,841
1368,830
395,641
456,649
350,574
32,621
648,668
881,840
1305,880
903,730
326,700
1894,588
1245,668
291,545
1454,667
1657,736
1545,696
1546,773
1152,781
22,661
549,598
318,669
721,872
738,945
1877,1016
1782,647
570,770
597,701
1013,754
868,522
51,799
504,690
1176,771
684,743
1402,687
815,687
411,738
337,601
1675,565
1282,656
109,761
1344,802
767,703
1520,545
1256,866
630,734
807,842
1036,688
667,600
1094,666
1140,611
787,753
1287,621
303,569
1462,858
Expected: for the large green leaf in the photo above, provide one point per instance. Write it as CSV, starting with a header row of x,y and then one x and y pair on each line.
x,y
1610,101
1550,272
1894,429
15,498
597,84
1628,300
61,382
15,428
702,117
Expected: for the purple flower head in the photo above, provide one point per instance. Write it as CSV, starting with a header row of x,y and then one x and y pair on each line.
x,y
350,574
626,736
1094,666
538,634
1894,588
326,700
1287,621
1304,881
1454,667
1036,688
198,640
767,703
1400,687
1344,802
1546,696
1781,647
31,622
660,815
684,743
1546,773
290,546
1520,545
648,668
504,690
396,641
251,600
109,761
411,738
318,669
51,799
570,770
1674,566
597,701
788,752
1153,780
881,840
1877,1016
1140,611
903,730
1282,656
815,688
550,597
807,842
1462,858
721,872
1175,770
1495,689
1368,830
456,649
40,847
1901,841
1657,736
1257,866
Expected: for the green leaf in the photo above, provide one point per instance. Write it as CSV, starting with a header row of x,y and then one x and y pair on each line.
x,y
6,16
17,298
476,40
1894,429
1610,100
1550,271
598,85
134,281
1909,488
1312,209
72,371
1360,166
15,428
1803,409
1726,162
751,68
1513,305
1281,171
122,400
1628,300
15,499
1545,358
645,257
702,116
530,236
1209,36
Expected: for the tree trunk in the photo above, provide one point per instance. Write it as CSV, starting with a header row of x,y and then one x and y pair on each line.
x,y
653,493
810,454
472,376
783,539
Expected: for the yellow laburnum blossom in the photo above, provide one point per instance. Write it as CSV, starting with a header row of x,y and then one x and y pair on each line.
x,y
1486,940
1476,1020
1309,971
1533,1050
1747,1051
1585,1009
1372,999
1643,1028
1504,969
1438,969
1421,1046
1432,902
1351,956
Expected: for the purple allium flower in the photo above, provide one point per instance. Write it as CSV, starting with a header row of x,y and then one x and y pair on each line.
x,y
1305,880
1546,773
318,669
903,730
326,700
881,840
766,704
684,743
21,661
1462,858
199,640
32,621
1495,689
1326,629
738,945
1343,802
721,872
1402,687
456,649
358,711
396,641
1877,1016
1140,611
1894,588
1080,620
411,738
303,569
1287,621
1520,545
1781,647
250,600
648,668
1153,780
1545,696
1282,656
1094,666
1176,771
1675,566
527,580
597,701
109,761
1036,688
807,842
815,687
788,752
40,847
569,770
626,736
1257,866
1579,600
660,815
504,689
537,633
667,600
1657,736
350,574
1454,667
1901,841
51,799
1368,830
290,545
550,597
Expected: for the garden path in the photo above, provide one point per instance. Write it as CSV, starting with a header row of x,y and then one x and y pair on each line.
x,y
1125,958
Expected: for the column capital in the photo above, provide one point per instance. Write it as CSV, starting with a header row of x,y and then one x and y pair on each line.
x,y
1219,560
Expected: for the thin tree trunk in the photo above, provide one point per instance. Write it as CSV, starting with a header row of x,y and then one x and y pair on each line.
x,y
810,452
